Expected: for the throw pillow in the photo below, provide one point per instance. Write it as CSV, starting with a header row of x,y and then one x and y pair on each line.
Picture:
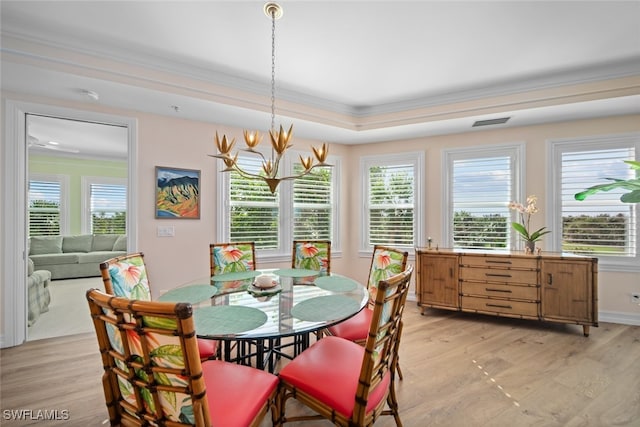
x,y
103,242
77,243
121,244
40,245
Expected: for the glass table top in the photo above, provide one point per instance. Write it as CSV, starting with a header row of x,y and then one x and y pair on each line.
x,y
232,308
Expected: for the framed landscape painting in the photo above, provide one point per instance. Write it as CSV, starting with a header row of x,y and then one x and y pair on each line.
x,y
177,193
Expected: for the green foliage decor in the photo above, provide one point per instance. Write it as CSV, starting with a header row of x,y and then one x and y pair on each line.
x,y
633,185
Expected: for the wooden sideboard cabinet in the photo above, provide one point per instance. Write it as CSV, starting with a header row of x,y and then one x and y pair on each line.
x,y
549,287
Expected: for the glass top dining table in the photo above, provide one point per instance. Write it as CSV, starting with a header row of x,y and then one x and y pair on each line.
x,y
229,307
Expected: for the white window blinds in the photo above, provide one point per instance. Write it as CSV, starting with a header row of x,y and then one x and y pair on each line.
x,y
44,208
303,208
253,209
391,207
601,224
481,191
312,204
108,207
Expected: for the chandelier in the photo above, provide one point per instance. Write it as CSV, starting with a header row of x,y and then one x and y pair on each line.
x,y
279,139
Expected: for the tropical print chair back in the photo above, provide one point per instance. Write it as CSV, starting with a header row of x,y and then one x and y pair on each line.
x,y
312,255
384,335
232,257
385,262
152,366
126,276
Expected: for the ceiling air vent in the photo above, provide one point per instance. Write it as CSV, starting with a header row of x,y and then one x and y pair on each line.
x,y
491,122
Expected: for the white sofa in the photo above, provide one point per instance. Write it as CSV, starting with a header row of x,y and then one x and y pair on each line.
x,y
70,257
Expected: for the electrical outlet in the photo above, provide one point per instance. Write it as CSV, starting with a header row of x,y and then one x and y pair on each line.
x,y
635,297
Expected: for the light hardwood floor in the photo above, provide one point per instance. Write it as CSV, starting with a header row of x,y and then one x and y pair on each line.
x,y
459,370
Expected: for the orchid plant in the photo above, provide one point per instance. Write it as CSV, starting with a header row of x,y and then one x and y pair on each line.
x,y
525,212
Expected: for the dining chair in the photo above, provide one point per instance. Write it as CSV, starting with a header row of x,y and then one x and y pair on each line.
x,y
126,276
312,255
153,375
232,257
344,382
385,262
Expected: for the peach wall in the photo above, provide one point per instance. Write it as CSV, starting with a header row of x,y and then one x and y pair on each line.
x,y
171,141
614,287
165,141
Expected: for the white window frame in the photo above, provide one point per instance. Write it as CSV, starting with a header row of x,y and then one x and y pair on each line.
x,y
414,158
86,183
285,203
63,180
555,148
516,151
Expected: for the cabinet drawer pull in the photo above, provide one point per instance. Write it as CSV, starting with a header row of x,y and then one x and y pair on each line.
x,y
496,275
508,291
499,306
497,261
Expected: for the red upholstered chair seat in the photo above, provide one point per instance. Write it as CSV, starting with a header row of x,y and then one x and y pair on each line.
x,y
207,348
354,329
236,393
329,371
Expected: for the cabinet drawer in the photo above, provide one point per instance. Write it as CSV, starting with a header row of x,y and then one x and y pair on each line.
x,y
500,261
503,291
502,307
529,277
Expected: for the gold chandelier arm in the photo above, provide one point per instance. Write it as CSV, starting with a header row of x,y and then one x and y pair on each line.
x,y
306,172
249,150
279,138
246,174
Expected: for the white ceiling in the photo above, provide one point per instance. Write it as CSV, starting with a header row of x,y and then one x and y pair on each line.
x,y
345,70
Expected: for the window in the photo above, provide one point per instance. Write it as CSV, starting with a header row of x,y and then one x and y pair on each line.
x,y
300,209
480,184
391,203
47,205
106,199
254,211
312,205
601,225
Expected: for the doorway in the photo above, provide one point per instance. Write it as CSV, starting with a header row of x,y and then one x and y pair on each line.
x,y
77,175
15,190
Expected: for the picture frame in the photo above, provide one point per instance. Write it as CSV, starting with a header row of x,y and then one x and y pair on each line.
x,y
177,193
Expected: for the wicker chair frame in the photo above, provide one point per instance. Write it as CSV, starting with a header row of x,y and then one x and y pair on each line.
x,y
104,270
380,359
128,317
212,350
405,256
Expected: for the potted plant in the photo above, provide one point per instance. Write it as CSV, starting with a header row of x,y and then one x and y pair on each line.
x,y
523,227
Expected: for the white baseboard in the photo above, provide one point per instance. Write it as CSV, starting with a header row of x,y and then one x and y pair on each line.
x,y
617,317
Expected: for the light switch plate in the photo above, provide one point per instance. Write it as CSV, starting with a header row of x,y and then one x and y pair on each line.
x,y
165,231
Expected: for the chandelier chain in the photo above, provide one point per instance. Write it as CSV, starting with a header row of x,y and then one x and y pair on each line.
x,y
279,139
273,70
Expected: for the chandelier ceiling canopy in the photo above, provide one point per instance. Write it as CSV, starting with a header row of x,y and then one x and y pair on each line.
x,y
279,138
